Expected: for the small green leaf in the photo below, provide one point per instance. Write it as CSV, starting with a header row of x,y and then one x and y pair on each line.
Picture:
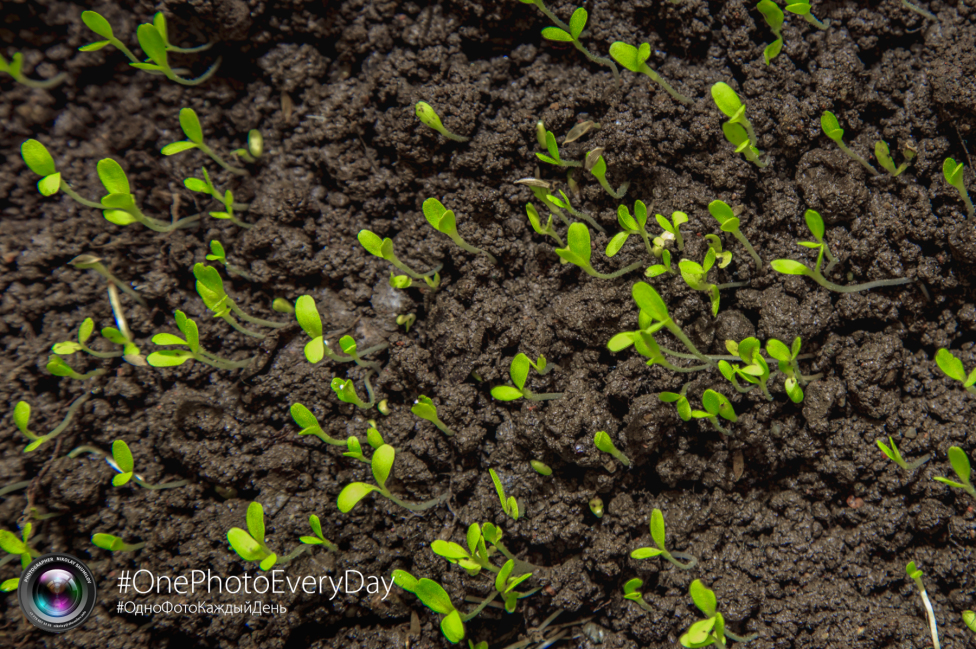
x,y
433,211
773,49
950,169
113,177
434,596
107,542
122,478
22,413
97,24
122,456
49,185
703,598
448,550
646,553
773,15
556,34
950,365
179,147
626,55
726,99
382,464
815,223
778,350
604,443
506,393
255,521
352,493
190,124
9,585
960,463
519,370
371,242
152,44
168,358
657,528
789,267
721,211
37,158
245,547
577,22
831,127
650,301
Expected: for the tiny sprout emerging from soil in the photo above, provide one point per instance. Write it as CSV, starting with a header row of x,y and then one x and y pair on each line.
x,y
816,225
563,203
883,154
122,462
318,347
716,405
553,157
790,267
660,269
400,281
728,221
250,545
57,367
635,224
254,149
578,251
519,371
596,506
218,254
952,171
711,630
436,599
424,408
786,362
658,536
155,44
406,320
541,468
895,455
22,413
429,117
802,8
916,575
548,230
318,538
91,262
206,186
952,367
21,547
596,165
173,357
483,541
632,592
67,348
729,103
355,450
346,392
737,137
383,248
114,543
960,464
605,444
756,371
190,124
210,288
382,466
540,134
696,276
14,67
673,227
831,128
443,220
310,425
571,33
774,18
650,302
635,60
509,504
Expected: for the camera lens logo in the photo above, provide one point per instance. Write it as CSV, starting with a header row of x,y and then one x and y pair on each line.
x,y
57,592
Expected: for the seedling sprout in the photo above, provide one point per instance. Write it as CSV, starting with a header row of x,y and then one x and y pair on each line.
x,y
218,254
428,116
21,416
191,340
658,536
571,33
58,367
596,165
382,466
894,455
802,8
443,220
605,444
210,288
711,630
114,543
578,251
122,462
716,405
190,124
424,408
318,347
916,575
250,545
21,547
554,158
831,128
883,154
318,538
509,504
952,171
519,371
728,221
596,506
774,18
729,103
383,248
635,60
960,464
14,67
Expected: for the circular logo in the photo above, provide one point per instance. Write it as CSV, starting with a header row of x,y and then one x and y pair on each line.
x,y
57,592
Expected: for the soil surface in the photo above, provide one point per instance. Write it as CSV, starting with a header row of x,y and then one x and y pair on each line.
x,y
801,526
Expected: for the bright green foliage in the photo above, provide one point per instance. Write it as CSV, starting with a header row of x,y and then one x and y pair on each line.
x,y
436,599
786,361
673,227
100,26
548,230
570,34
191,340
382,466
952,367
774,18
680,402
206,186
654,310
14,67
596,506
509,504
154,43
114,543
355,450
406,320
553,157
831,128
736,136
255,147
969,619
111,334
21,417
596,165
756,369
883,154
802,8
218,254
442,220
732,106
563,203
952,171
210,288
605,444
318,347
711,630
318,538
960,464
383,248
658,536
400,281
635,60
57,367
21,546
660,269
519,371
578,251
122,457
696,276
816,225
632,592
346,392
540,467
895,455
39,160
728,220
310,425
190,124
428,116
722,258
250,545
424,408
635,224
716,405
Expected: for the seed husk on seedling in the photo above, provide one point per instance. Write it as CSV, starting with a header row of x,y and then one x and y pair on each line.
x,y
728,221
424,408
509,504
190,124
382,466
122,462
173,357
519,371
716,405
952,367
802,8
14,67
570,34
658,536
21,416
604,443
883,154
831,128
952,171
578,251
19,546
635,60
114,543
443,220
383,248
429,117
774,18
732,106
596,165
711,630
894,455
960,464
916,575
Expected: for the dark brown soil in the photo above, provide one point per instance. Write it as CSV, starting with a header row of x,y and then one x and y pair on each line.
x,y
806,546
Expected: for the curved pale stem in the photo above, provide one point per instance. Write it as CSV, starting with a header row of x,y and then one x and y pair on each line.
x,y
622,271
658,79
45,84
864,163
680,335
258,321
748,246
545,396
690,561
473,250
417,507
223,163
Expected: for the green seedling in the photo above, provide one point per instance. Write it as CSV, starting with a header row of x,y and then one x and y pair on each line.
x,y
969,619
218,254
632,592
519,371
114,543
541,468
346,392
831,128
255,147
318,538
310,425
9,585
14,67
574,134
571,33
564,204
540,134
774,18
424,408
510,504
635,60
660,269
728,221
442,220
672,228
658,536
635,224
711,630
100,26
318,347
916,575
191,340
645,344
755,371
67,348
22,413
118,206
786,361
578,251
650,302
596,506
250,545
816,225
729,103
383,407
190,124
122,462
960,464
429,117
436,599
57,367
400,281
153,42
680,401
790,267
596,165
883,154
895,455
696,276
952,171
952,367
382,466
355,450
542,191
21,547
548,230
921,12
716,405
736,136
406,321
206,186
210,288
553,158
91,262
605,444
802,8
383,248
483,541
722,258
